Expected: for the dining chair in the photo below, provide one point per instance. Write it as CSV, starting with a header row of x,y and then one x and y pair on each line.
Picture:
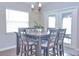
x,y
33,39
61,35
26,44
22,42
17,44
44,42
49,29
50,47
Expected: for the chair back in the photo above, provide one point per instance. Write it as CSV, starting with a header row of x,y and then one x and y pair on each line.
x,y
61,35
52,41
60,48
54,35
22,32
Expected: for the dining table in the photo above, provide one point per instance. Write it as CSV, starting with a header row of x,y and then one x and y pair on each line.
x,y
37,36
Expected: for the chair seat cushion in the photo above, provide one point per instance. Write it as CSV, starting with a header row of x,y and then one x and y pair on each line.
x,y
44,43
30,42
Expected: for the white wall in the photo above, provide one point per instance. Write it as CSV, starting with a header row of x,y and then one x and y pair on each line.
x,y
8,40
60,5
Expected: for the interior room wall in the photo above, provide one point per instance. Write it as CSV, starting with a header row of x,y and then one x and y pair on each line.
x,y
8,40
60,5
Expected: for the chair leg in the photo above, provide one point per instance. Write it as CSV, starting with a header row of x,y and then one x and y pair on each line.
x,y
54,53
22,50
31,49
63,50
36,50
46,51
25,50
57,50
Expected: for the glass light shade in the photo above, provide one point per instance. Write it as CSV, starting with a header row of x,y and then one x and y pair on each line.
x,y
32,6
39,5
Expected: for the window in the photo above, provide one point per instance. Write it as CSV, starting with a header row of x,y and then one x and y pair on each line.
x,y
67,25
16,19
64,18
51,22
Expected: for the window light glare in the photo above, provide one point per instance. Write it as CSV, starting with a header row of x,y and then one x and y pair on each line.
x,y
40,5
32,6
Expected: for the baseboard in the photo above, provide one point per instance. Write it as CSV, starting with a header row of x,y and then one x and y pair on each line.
x,y
73,52
7,48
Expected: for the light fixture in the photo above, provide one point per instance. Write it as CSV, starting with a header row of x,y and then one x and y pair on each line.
x,y
32,6
39,5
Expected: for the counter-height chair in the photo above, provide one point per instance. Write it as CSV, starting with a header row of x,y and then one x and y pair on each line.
x,y
49,29
44,42
61,35
30,30
17,44
26,43
50,47
18,39
22,40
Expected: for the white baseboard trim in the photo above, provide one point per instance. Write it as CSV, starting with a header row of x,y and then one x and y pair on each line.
x,y
3,49
72,51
